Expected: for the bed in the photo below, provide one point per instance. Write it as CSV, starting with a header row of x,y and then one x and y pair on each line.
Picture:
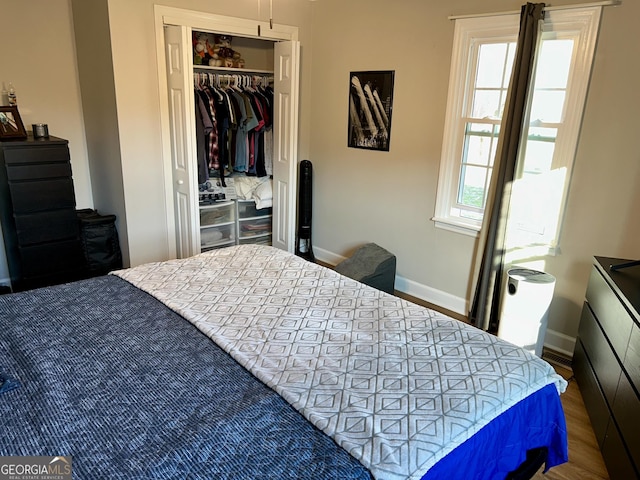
x,y
249,362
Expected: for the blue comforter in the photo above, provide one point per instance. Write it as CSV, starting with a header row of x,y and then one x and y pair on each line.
x,y
110,376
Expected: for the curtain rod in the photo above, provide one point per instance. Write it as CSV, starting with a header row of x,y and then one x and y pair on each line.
x,y
548,8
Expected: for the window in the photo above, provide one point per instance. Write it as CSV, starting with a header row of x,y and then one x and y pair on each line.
x,y
483,53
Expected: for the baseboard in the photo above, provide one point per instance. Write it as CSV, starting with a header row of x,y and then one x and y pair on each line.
x,y
431,295
324,256
560,342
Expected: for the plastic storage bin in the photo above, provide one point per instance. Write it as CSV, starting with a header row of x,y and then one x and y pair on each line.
x,y
217,214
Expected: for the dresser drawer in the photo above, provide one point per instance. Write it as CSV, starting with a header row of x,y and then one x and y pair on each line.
x,y
46,226
619,465
36,154
632,358
51,258
613,317
626,408
42,195
38,171
592,395
603,361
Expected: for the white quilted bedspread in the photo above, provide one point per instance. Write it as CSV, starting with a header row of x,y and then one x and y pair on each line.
x,y
397,385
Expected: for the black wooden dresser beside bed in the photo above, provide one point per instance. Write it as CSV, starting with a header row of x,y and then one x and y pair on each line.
x,y
606,362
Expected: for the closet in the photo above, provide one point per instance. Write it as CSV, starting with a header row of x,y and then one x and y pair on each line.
x,y
208,215
234,140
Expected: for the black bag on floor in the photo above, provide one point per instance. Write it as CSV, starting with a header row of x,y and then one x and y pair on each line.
x,y
100,243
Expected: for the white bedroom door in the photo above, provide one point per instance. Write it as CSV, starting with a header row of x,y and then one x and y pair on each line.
x,y
182,207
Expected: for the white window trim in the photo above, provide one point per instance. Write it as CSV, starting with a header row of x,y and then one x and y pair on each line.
x,y
585,20
465,33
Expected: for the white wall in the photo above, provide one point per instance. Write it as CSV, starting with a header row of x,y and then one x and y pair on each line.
x,y
137,164
389,197
95,71
38,57
358,195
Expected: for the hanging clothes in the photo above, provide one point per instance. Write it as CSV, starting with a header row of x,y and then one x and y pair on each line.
x,y
211,139
234,125
203,131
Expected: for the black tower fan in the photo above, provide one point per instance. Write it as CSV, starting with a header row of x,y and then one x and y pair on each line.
x,y
303,243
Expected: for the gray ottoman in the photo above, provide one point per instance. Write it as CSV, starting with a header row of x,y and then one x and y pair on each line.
x,y
372,265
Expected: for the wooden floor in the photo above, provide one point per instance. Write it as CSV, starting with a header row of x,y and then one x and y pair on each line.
x,y
585,461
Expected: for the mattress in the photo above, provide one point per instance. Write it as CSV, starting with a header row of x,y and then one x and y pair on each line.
x,y
205,367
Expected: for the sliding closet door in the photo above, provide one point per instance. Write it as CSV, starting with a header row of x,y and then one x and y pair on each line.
x,y
285,143
182,133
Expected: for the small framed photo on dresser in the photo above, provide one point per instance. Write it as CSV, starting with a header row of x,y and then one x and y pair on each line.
x,y
11,126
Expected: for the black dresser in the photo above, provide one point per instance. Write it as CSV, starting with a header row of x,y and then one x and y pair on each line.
x,y
606,364
37,213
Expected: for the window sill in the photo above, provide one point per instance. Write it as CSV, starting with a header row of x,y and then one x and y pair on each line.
x,y
456,226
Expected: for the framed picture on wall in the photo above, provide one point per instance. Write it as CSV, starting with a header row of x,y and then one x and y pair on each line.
x,y
11,126
370,108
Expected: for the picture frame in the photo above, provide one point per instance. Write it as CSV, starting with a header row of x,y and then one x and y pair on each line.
x,y
370,109
11,126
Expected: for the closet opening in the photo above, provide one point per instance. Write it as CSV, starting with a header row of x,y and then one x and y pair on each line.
x,y
231,177
234,138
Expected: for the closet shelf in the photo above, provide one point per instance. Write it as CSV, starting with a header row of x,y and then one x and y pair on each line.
x,y
206,68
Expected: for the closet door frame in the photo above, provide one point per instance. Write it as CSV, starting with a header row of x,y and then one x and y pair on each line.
x,y
178,125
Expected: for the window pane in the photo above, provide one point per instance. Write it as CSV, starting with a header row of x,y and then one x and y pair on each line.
x,y
491,65
554,63
486,103
538,157
478,150
473,182
547,105
511,54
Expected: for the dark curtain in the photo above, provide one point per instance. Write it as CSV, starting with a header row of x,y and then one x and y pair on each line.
x,y
490,249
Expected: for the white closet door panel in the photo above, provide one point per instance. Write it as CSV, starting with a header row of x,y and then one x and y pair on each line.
x,y
182,111
285,143
185,235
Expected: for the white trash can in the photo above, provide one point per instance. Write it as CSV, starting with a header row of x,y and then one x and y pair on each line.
x,y
524,313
